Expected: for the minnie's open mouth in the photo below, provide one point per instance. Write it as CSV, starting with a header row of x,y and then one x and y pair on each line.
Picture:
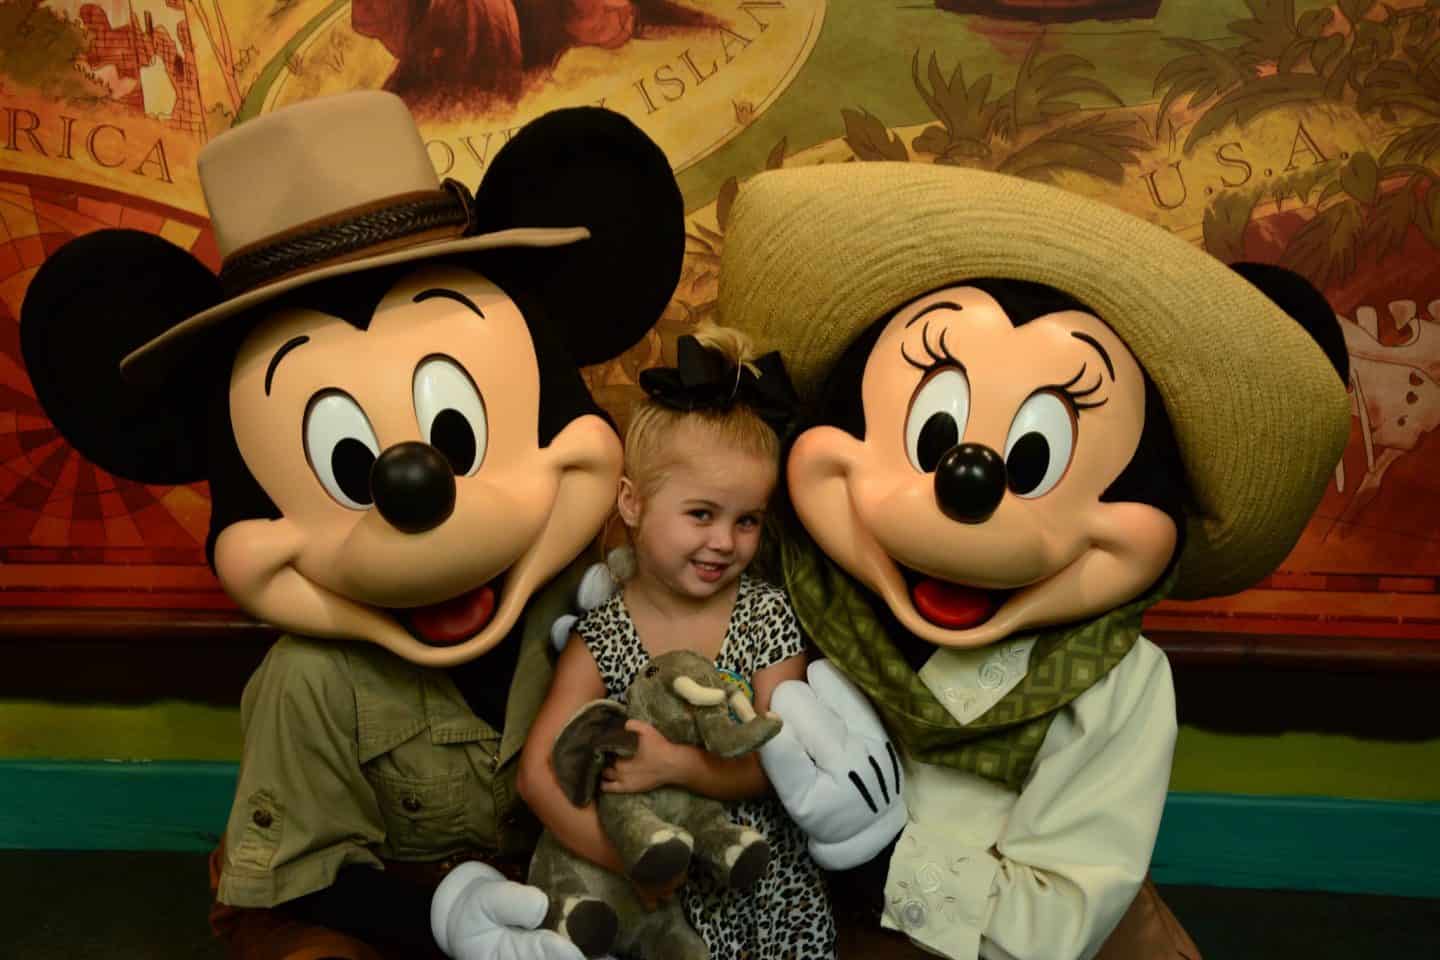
x,y
452,621
952,606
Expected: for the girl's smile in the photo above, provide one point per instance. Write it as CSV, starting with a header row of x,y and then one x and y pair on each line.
x,y
710,572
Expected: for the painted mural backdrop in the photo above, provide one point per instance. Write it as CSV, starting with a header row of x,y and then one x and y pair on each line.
x,y
1300,133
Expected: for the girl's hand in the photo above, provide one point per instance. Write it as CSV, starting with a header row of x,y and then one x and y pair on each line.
x,y
657,762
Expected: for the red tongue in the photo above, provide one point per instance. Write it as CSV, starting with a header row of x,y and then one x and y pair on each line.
x,y
951,605
454,620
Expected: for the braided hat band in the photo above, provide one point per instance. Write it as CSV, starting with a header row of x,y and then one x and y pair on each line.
x,y
415,218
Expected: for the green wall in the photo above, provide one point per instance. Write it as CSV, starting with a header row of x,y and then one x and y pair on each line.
x,y
166,730
1293,764
1306,764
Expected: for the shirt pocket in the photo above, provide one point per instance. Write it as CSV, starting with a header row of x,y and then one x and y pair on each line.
x,y
424,816
260,832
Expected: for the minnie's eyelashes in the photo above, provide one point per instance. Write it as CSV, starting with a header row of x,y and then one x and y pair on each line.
x,y
939,355
1076,396
938,358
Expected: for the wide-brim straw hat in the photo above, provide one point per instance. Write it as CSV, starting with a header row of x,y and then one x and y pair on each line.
x,y
320,189
814,255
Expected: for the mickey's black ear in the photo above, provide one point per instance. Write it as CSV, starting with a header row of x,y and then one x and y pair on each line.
x,y
1308,306
588,167
92,302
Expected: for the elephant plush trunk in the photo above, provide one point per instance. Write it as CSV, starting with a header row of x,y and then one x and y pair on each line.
x,y
727,738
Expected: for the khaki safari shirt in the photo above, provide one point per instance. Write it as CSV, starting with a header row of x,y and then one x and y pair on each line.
x,y
353,755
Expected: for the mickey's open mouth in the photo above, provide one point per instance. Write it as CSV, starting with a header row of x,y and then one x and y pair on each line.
x,y
452,621
952,606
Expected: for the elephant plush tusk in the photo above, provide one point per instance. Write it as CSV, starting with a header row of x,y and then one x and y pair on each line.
x,y
692,693
742,706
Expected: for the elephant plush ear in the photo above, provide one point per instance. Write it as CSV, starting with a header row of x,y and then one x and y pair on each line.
x,y
593,168
586,743
92,302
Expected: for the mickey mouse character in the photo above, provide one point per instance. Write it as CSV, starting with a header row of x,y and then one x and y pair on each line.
x,y
382,389
1033,416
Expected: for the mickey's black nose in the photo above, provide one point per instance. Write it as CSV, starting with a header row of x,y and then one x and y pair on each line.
x,y
414,487
969,482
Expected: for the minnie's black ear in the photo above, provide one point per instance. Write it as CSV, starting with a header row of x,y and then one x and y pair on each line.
x,y
92,302
588,167
1293,293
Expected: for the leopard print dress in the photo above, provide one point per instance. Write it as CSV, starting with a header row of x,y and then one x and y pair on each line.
x,y
786,915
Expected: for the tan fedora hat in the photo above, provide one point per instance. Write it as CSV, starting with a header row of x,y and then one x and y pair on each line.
x,y
813,255
319,189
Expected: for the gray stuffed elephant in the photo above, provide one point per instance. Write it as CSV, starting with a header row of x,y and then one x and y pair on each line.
x,y
657,833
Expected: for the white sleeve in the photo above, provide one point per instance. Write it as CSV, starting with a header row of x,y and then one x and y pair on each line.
x,y
1077,842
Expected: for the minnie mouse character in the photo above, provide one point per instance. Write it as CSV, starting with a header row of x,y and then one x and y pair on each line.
x,y
382,389
1032,417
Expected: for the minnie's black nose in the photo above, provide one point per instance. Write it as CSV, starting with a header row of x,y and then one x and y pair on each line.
x,y
969,482
413,486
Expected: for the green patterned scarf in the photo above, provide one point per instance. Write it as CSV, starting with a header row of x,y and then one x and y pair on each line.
x,y
999,745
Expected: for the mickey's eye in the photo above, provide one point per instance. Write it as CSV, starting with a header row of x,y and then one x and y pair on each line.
x,y
937,417
341,447
451,413
1038,449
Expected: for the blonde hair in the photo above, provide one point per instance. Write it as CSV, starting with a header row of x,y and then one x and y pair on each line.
x,y
650,450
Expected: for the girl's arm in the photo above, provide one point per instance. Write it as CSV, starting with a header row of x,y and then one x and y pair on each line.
x,y
577,681
659,762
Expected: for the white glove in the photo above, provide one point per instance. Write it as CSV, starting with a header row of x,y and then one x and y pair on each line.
x,y
834,769
596,586
476,914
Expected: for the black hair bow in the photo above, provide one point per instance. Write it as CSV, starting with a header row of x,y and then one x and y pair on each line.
x,y
704,379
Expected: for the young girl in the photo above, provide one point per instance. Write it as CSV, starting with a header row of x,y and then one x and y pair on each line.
x,y
700,466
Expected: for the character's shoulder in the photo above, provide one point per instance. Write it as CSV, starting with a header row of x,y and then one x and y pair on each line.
x,y
1140,683
335,673
302,679
297,661
1145,659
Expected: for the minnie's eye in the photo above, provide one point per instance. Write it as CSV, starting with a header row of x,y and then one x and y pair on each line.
x,y
451,413
1038,449
341,447
937,418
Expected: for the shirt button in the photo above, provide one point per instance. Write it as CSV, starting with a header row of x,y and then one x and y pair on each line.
x,y
411,803
913,913
262,819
